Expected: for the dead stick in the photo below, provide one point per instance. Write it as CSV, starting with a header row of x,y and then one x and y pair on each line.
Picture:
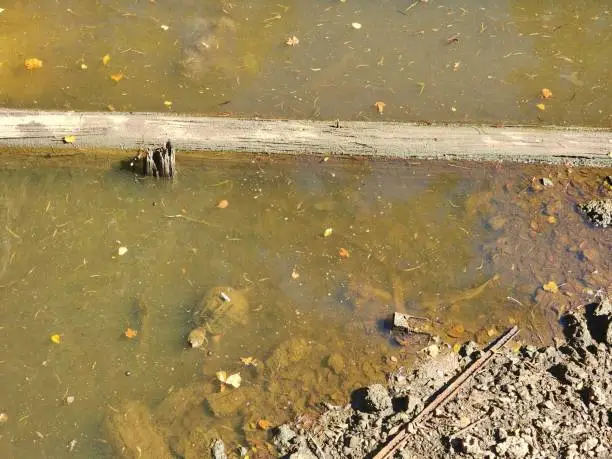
x,y
387,451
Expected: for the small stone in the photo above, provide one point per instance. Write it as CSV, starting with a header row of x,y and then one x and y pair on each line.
x,y
218,450
546,182
589,444
432,350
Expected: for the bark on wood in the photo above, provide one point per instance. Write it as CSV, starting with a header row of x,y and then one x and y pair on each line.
x,y
158,162
404,140
398,441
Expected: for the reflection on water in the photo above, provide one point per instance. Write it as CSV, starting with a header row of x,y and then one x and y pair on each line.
x,y
457,61
451,244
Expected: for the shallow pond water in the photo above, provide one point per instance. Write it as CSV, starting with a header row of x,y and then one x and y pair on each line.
x,y
466,246
444,61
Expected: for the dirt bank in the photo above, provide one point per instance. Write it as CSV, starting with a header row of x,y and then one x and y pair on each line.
x,y
551,402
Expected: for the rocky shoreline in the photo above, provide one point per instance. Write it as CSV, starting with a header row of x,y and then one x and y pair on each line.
x,y
551,402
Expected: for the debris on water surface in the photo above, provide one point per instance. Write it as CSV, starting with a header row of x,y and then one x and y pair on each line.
x,y
164,27
122,250
541,107
546,93
294,274
72,444
69,399
117,77
68,139
264,424
292,41
327,232
551,287
33,63
356,25
222,204
3,418
130,333
106,59
56,338
343,253
225,297
380,107
232,380
249,361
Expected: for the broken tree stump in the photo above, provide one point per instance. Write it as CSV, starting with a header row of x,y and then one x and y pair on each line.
x,y
158,162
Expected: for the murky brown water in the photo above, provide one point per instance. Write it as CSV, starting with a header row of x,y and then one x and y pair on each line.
x,y
421,237
452,61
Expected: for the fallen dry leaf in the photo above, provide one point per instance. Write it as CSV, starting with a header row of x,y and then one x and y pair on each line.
x,y
69,139
551,287
106,59
541,107
116,77
264,424
292,41
249,361
233,380
56,339
380,106
222,204
327,232
130,333
343,253
546,93
33,63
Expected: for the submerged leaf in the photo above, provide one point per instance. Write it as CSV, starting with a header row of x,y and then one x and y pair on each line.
x,y
106,59
327,232
541,107
264,424
233,380
130,333
116,77
249,361
343,253
33,63
551,287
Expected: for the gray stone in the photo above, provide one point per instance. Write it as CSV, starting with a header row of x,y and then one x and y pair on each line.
x,y
598,212
303,453
218,450
283,438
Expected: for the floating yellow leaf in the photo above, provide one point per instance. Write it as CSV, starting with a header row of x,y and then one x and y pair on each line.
x,y
327,232
264,424
380,106
295,274
56,339
68,139
551,287
106,59
130,333
223,204
343,253
84,66
546,93
356,25
541,107
233,380
249,361
292,41
116,77
456,348
168,103
33,63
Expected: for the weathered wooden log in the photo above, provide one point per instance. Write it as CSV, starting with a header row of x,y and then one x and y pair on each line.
x,y
158,162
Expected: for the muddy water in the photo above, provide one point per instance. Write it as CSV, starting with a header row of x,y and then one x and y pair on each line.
x,y
453,61
467,247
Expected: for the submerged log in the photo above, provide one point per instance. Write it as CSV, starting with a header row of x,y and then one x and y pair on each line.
x,y
158,162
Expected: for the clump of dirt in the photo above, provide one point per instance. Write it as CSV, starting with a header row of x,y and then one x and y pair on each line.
x,y
555,401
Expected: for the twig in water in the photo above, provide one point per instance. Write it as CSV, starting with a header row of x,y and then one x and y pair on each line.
x,y
189,219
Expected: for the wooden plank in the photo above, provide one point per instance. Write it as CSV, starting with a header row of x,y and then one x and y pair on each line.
x,y
24,128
